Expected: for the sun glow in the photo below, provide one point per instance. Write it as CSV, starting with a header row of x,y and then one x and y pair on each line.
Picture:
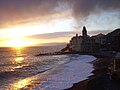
x,y
27,34
18,42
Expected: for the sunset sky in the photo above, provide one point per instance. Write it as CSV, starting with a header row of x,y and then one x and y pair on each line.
x,y
33,22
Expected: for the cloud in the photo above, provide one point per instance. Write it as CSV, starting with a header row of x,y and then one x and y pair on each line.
x,y
83,8
65,34
22,11
28,8
52,35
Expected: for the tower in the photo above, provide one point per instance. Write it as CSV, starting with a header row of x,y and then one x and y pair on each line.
x,y
84,32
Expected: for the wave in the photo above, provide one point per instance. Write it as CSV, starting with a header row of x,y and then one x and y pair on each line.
x,y
65,75
49,73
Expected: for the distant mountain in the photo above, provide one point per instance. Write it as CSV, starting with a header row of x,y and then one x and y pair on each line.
x,y
53,44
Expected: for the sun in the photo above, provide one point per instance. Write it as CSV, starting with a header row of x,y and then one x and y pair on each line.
x,y
18,42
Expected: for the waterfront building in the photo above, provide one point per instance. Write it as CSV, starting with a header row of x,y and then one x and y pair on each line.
x,y
83,43
75,43
100,39
113,40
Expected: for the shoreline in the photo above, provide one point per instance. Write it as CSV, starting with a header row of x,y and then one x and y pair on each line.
x,y
104,54
100,79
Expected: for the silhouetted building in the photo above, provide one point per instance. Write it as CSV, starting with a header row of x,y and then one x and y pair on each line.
x,y
100,42
83,43
84,32
76,43
100,39
118,41
113,40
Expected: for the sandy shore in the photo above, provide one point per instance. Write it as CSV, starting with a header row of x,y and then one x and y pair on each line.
x,y
100,80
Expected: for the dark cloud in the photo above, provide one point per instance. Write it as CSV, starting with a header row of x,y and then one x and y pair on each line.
x,y
82,8
27,6
16,10
12,11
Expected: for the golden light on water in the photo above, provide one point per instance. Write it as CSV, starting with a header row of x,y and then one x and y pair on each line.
x,y
18,52
27,84
19,59
21,84
24,83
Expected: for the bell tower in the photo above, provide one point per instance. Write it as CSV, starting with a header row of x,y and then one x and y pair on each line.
x,y
84,32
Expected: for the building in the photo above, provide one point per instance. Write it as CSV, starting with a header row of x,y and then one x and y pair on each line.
x,y
75,43
83,43
115,69
113,40
100,39
118,42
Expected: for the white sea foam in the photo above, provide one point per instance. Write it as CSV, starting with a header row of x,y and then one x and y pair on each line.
x,y
65,75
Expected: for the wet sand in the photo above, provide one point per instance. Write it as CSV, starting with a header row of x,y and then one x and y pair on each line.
x,y
100,80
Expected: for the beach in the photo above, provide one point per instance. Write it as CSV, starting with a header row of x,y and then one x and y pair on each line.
x,y
100,80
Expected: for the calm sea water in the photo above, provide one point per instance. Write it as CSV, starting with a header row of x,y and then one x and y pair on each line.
x,y
20,69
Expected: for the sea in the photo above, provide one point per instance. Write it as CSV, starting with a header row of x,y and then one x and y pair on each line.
x,y
20,69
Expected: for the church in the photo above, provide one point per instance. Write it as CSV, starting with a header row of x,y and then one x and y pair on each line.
x,y
83,43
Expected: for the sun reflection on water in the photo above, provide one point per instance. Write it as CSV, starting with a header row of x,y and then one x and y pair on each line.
x,y
18,52
21,84
27,84
19,59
